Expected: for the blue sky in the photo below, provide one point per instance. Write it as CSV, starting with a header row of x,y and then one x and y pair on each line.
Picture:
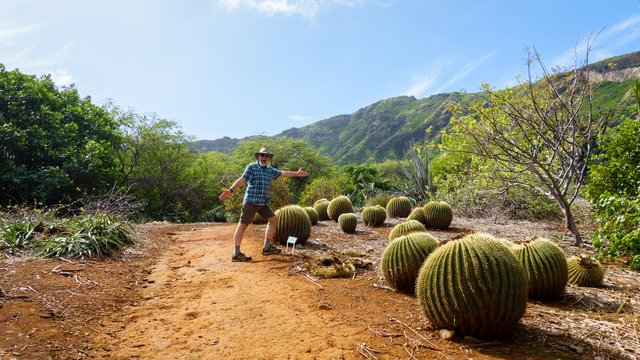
x,y
245,67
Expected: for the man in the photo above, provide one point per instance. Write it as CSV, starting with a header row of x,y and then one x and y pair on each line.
x,y
256,198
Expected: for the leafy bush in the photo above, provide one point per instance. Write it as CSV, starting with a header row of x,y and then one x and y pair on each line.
x,y
614,189
92,235
618,233
318,189
95,235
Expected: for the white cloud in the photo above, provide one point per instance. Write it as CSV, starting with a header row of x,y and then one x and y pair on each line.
x,y
421,82
62,77
605,43
305,8
300,118
465,71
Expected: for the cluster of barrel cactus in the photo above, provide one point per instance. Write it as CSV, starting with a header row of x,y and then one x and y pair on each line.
x,y
321,208
438,214
374,215
403,257
292,221
406,227
338,206
348,222
473,285
545,266
399,207
584,270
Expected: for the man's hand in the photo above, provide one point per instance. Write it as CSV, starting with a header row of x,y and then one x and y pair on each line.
x,y
225,194
301,173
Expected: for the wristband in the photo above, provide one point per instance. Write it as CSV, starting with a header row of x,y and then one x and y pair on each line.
x,y
230,190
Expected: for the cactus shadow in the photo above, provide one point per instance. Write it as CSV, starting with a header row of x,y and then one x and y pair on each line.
x,y
593,300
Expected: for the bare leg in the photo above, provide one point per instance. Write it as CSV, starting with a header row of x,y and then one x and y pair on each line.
x,y
272,224
237,236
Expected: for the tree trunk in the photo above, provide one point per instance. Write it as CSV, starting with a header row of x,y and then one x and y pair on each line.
x,y
570,222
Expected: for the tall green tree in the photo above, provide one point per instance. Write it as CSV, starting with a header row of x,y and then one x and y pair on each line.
x,y
55,145
156,166
614,189
538,135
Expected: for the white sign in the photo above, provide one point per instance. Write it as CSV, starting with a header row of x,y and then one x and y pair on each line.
x,y
291,240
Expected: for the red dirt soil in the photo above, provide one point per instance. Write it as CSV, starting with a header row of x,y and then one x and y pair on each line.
x,y
177,295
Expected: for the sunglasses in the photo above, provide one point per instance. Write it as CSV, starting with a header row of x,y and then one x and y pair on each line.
x,y
265,155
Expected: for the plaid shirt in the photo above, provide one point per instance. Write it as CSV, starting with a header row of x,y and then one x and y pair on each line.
x,y
259,179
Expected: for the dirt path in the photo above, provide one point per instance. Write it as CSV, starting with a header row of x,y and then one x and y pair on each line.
x,y
199,304
177,295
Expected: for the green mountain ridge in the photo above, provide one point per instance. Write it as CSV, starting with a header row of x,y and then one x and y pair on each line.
x,y
386,128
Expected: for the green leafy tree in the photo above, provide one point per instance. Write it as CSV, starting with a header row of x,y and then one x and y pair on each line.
x,y
614,189
55,146
290,155
156,165
322,187
537,136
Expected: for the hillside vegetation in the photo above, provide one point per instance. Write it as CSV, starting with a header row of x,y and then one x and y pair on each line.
x,y
386,128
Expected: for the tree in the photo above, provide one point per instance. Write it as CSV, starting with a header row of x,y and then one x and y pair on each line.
x,y
55,146
614,189
538,135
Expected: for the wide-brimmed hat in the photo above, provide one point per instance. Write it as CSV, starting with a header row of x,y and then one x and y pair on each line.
x,y
264,151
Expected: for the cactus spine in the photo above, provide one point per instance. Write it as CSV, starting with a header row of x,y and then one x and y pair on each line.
x,y
348,222
438,214
585,270
545,266
374,215
313,214
321,207
292,221
338,206
473,285
403,257
405,228
399,207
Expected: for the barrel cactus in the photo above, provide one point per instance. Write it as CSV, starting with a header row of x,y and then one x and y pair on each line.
x,y
402,259
584,270
313,214
418,214
292,221
438,214
405,228
338,206
258,219
348,222
321,207
374,215
473,285
545,265
399,207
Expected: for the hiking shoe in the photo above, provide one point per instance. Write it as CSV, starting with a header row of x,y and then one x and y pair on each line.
x,y
240,257
271,250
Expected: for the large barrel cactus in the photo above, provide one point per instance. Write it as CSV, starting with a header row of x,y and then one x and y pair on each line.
x,y
313,214
584,270
402,259
399,207
405,228
545,266
348,222
418,214
292,221
338,206
321,207
374,215
438,214
473,285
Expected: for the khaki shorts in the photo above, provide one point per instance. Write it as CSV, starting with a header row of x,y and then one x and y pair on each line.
x,y
249,210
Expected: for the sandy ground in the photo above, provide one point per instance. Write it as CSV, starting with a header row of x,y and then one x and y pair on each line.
x,y
179,296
